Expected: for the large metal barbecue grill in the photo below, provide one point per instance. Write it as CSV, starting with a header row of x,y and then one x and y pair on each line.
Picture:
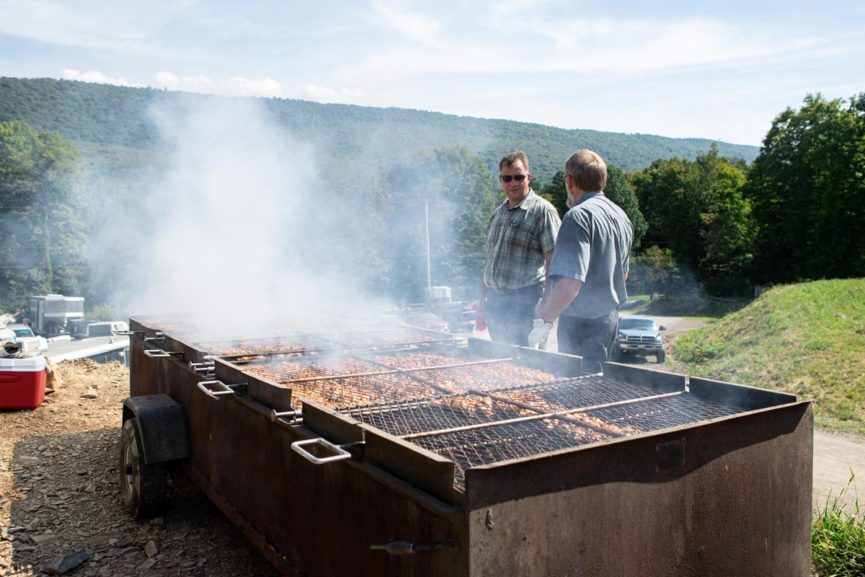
x,y
396,451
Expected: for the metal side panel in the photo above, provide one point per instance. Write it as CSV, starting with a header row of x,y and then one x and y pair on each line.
x,y
307,519
661,380
737,395
424,469
729,497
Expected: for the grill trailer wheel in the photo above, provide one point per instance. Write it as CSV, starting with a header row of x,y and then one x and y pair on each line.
x,y
141,485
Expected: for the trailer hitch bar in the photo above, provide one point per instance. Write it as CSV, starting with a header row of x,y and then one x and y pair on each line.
x,y
340,451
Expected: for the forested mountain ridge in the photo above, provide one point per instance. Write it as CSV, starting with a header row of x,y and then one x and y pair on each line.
x,y
117,117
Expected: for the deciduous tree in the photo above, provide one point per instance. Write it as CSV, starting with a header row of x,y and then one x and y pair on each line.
x,y
807,188
41,241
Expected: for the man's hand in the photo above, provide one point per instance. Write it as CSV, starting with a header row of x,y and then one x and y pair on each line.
x,y
480,315
480,321
540,333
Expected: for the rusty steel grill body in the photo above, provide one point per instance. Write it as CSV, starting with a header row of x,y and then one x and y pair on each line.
x,y
485,459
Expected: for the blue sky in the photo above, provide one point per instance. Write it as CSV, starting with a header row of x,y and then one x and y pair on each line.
x,y
718,70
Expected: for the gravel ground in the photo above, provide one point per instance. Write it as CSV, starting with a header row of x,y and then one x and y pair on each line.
x,y
60,498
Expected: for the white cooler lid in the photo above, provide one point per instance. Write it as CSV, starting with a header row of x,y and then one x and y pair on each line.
x,y
25,364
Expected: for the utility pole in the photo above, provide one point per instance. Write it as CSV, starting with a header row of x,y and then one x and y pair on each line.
x,y
428,256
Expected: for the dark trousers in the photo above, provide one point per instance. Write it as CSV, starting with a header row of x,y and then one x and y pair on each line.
x,y
510,314
592,339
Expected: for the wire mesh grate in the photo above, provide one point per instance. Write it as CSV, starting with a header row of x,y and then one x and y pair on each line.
x,y
563,395
484,377
655,414
474,447
439,414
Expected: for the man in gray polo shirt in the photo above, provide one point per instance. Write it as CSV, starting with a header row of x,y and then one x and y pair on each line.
x,y
589,267
519,247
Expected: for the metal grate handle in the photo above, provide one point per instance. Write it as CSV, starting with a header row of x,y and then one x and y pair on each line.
x,y
215,389
340,453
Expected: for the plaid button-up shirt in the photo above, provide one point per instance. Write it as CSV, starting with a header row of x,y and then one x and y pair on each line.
x,y
517,240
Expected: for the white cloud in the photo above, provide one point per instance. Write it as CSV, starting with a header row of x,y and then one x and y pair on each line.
x,y
419,28
121,27
234,86
331,95
602,48
645,46
504,10
95,77
242,86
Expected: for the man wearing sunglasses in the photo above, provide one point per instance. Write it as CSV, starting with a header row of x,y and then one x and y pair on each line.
x,y
589,267
520,241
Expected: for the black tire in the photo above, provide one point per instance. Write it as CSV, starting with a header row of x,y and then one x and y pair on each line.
x,y
661,356
142,486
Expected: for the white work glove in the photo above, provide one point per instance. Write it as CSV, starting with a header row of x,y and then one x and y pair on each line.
x,y
540,333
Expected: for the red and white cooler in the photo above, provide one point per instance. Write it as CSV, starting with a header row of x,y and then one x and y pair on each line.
x,y
22,382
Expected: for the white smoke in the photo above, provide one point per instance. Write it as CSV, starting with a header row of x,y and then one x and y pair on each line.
x,y
228,227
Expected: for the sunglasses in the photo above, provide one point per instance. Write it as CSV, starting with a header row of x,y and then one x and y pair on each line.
x,y
508,177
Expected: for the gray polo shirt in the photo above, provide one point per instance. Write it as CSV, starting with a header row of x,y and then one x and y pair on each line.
x,y
593,246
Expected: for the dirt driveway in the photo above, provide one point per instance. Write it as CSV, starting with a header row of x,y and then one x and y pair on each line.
x,y
59,495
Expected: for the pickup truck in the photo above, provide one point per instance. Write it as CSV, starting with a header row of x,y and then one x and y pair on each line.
x,y
98,329
639,336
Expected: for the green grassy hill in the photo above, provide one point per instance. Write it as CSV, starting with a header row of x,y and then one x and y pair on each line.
x,y
807,339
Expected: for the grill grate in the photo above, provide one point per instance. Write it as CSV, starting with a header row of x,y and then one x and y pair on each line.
x,y
478,429
345,393
655,414
438,414
574,393
300,343
470,448
346,382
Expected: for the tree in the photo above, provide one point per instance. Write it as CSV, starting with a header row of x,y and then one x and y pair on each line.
x,y
454,188
41,248
697,210
808,192
555,192
653,271
620,191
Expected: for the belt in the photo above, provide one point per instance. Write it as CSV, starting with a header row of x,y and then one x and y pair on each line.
x,y
499,291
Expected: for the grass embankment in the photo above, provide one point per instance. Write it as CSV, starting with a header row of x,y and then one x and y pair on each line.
x,y
838,539
807,339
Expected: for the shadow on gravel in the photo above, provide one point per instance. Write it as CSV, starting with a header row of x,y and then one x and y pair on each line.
x,y
65,503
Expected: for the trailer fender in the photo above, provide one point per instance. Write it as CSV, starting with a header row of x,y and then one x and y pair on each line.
x,y
162,425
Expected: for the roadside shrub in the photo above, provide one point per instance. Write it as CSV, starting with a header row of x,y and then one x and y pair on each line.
x,y
838,539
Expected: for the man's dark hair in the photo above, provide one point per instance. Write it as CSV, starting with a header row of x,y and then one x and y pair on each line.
x,y
510,158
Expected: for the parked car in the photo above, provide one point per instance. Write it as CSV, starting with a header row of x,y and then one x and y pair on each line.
x,y
24,334
426,320
100,329
641,336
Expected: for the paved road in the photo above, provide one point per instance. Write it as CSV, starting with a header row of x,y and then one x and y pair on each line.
x,y
93,347
836,457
